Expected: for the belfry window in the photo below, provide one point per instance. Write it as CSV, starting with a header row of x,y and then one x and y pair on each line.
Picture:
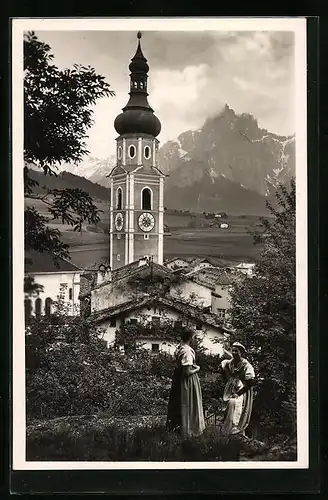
x,y
119,153
146,199
119,199
132,151
147,152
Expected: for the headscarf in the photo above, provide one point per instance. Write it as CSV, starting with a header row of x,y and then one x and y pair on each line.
x,y
239,346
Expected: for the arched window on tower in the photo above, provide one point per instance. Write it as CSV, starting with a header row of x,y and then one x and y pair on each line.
x,y
146,199
48,306
119,199
38,304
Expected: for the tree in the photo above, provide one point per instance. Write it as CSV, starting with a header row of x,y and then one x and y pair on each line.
x,y
264,311
57,115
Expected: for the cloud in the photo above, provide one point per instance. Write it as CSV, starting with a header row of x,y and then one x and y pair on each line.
x,y
192,75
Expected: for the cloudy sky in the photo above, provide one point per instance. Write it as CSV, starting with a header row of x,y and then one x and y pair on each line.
x,y
192,75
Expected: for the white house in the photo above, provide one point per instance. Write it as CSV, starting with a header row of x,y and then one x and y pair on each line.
x,y
154,313
245,268
177,263
62,282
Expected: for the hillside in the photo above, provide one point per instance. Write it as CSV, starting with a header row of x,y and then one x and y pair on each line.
x,y
68,180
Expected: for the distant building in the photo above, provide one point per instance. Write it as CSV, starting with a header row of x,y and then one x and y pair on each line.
x,y
58,282
176,263
245,268
210,287
199,263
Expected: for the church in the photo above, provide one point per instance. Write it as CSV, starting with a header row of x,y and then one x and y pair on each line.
x,y
136,182
111,294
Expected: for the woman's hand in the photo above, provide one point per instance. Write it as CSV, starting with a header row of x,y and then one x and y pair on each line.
x,y
190,370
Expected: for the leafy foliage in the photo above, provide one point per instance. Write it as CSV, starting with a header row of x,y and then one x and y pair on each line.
x,y
264,314
31,288
57,116
70,371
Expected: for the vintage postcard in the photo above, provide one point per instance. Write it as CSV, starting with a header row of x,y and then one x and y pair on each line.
x,y
159,244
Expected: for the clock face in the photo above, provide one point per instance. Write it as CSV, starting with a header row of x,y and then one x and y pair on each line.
x,y
119,220
146,222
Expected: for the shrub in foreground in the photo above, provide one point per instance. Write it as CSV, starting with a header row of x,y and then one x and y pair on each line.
x,y
96,439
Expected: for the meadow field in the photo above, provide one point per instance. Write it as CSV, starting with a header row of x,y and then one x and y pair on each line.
x,y
189,235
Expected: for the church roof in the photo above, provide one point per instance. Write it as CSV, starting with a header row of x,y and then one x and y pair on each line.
x,y
37,262
192,312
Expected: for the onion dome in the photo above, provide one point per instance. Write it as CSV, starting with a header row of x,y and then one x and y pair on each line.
x,y
138,116
138,63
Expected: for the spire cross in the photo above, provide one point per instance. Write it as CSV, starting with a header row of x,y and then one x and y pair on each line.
x,y
139,35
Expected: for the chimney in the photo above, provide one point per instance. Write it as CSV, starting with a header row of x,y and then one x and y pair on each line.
x,y
104,274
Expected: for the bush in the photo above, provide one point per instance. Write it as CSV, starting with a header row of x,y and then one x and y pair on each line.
x,y
107,440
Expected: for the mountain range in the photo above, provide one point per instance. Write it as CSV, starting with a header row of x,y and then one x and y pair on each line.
x,y
230,164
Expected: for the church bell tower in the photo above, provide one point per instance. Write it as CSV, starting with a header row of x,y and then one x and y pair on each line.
x,y
136,183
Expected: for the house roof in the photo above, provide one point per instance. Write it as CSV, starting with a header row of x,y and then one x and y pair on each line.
x,y
190,311
37,262
211,276
89,278
169,261
135,268
95,265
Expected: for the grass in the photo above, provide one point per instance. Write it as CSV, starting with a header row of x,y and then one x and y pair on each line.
x,y
100,438
233,244
105,439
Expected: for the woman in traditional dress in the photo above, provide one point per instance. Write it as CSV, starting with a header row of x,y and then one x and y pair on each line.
x,y
185,408
238,391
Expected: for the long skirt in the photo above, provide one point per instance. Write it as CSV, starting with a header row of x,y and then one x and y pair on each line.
x,y
185,408
237,414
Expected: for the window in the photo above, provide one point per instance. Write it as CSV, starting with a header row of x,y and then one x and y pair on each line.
x,y
146,199
118,236
119,198
133,321
147,152
155,348
146,236
132,151
119,152
118,257
221,313
38,304
113,321
28,308
70,293
48,306
156,320
62,291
